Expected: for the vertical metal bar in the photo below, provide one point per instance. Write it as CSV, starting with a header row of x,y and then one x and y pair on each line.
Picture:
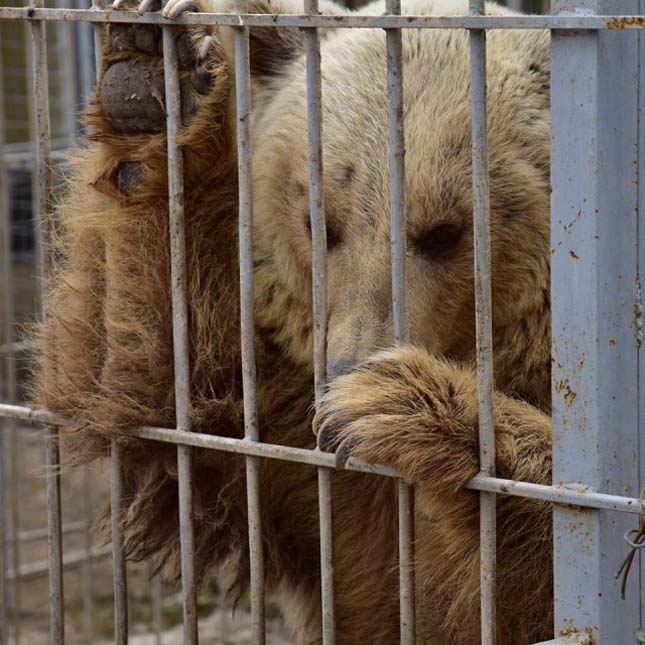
x,y
41,194
98,40
247,305
55,538
118,555
12,455
483,304
319,281
8,289
157,608
42,136
70,77
594,241
181,350
15,474
88,574
639,313
4,542
398,242
88,582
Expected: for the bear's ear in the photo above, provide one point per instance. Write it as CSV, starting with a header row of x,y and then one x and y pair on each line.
x,y
271,48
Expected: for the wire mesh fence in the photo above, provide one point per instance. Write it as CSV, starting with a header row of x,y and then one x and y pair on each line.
x,y
37,81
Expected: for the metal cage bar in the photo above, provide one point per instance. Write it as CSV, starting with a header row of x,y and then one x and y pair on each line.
x,y
247,320
484,325
319,291
181,348
41,197
595,180
557,494
398,242
8,365
120,574
580,22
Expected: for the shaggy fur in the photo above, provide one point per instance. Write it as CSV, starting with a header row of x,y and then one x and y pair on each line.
x,y
105,356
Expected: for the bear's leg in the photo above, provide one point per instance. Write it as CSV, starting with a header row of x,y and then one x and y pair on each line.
x,y
105,359
418,414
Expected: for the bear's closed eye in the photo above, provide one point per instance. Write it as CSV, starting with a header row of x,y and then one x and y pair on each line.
x,y
333,238
440,241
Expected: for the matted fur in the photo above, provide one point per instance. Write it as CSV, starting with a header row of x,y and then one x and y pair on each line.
x,y
105,350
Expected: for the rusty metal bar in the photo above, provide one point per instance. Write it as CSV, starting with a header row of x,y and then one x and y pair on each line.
x,y
319,291
353,21
118,555
559,494
484,326
398,242
181,350
596,308
247,319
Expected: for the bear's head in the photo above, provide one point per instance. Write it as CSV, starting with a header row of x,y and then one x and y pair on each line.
x,y
439,201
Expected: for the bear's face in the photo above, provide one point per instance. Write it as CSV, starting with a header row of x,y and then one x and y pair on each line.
x,y
439,204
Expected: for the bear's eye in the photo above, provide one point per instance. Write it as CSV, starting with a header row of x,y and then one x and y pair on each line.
x,y
333,240
440,240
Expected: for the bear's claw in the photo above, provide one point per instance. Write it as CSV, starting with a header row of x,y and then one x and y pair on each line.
x,y
175,8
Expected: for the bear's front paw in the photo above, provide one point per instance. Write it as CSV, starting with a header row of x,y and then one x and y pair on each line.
x,y
132,89
404,409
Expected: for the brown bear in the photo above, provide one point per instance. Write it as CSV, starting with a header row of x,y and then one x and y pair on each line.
x,y
105,359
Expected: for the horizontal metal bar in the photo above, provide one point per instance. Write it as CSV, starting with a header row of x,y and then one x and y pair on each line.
x,y
353,21
558,494
571,494
73,560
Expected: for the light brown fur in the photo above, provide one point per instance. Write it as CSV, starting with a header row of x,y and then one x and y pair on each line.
x,y
106,351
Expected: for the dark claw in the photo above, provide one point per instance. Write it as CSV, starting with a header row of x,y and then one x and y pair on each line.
x,y
344,452
328,435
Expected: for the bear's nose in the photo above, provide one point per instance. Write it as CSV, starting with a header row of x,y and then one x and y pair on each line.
x,y
340,366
